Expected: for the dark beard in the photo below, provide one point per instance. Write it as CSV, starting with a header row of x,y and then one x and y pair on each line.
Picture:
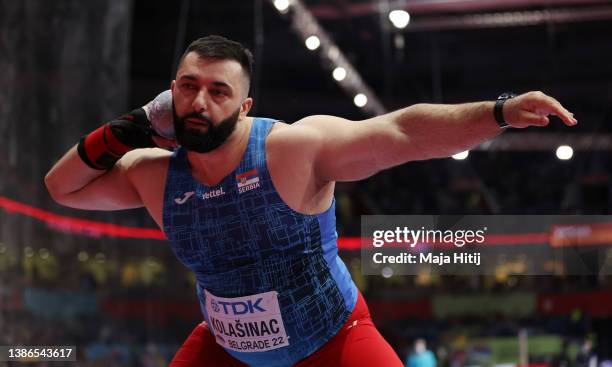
x,y
204,142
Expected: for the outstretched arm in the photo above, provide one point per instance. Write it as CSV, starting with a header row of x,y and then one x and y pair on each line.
x,y
346,151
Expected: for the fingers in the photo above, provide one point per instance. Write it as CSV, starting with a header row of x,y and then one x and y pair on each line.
x,y
547,105
534,119
560,111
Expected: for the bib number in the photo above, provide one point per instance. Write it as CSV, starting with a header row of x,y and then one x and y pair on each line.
x,y
247,324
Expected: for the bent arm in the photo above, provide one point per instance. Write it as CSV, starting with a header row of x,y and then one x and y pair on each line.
x,y
101,174
72,183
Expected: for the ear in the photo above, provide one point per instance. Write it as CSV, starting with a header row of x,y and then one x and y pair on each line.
x,y
245,107
172,85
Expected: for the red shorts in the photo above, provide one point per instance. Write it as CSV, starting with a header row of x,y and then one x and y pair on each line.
x,y
358,343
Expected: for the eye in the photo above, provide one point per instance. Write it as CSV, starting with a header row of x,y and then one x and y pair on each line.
x,y
188,86
217,92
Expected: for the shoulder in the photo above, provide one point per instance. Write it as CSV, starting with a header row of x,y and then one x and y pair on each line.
x,y
147,170
321,132
309,123
139,162
287,140
307,130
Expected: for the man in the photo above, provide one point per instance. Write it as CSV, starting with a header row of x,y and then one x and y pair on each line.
x,y
420,355
247,204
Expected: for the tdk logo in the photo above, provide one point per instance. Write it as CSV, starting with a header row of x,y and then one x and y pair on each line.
x,y
237,308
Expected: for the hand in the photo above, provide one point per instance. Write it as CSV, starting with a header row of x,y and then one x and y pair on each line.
x,y
160,118
533,109
130,131
103,147
135,130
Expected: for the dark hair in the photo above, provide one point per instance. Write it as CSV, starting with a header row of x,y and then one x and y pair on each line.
x,y
218,47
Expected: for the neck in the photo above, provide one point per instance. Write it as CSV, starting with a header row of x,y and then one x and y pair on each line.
x,y
210,168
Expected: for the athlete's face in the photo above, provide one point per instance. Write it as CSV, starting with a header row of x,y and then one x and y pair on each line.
x,y
209,97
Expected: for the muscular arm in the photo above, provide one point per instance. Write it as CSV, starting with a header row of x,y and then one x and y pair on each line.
x,y
72,183
116,148
426,131
343,150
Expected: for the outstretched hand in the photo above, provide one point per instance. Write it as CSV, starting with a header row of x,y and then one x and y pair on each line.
x,y
533,109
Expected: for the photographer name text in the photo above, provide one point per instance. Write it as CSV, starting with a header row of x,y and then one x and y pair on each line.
x,y
428,258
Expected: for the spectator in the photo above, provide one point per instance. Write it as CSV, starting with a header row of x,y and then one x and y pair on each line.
x,y
421,356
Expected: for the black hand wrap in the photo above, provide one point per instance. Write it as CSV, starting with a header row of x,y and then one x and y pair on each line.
x,y
103,147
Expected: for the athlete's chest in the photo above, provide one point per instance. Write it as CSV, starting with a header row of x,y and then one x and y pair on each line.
x,y
242,188
238,223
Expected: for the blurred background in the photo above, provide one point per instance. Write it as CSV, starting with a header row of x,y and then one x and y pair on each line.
x,y
109,284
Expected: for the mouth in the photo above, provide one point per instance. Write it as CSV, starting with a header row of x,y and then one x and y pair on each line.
x,y
197,122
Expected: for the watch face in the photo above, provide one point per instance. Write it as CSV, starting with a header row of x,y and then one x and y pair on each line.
x,y
507,95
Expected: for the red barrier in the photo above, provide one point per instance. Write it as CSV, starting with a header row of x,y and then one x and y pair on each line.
x,y
158,311
80,226
98,229
594,304
397,310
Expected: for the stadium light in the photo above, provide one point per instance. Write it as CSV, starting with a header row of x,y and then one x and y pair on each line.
x,y
360,100
461,156
565,152
313,42
281,5
399,18
339,73
316,38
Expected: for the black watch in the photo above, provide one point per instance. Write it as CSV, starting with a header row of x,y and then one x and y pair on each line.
x,y
498,110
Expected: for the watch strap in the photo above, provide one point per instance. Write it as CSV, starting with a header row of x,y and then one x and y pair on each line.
x,y
498,111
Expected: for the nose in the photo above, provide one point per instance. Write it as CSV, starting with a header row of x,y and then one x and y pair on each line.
x,y
199,102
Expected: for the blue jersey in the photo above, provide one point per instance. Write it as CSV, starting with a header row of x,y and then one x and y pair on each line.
x,y
271,285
